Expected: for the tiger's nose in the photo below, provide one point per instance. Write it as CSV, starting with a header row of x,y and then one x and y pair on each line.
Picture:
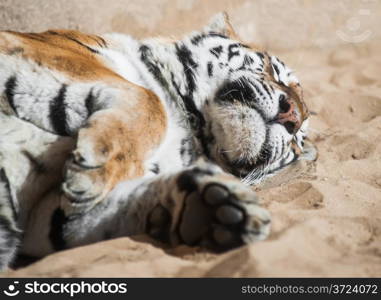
x,y
288,116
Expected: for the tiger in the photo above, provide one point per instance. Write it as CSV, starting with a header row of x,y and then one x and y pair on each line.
x,y
106,136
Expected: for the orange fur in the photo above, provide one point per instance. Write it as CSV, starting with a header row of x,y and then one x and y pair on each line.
x,y
125,135
125,139
65,51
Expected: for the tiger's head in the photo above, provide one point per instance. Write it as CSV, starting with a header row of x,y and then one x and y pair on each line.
x,y
255,118
246,104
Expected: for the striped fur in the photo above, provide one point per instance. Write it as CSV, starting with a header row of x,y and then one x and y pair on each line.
x,y
107,136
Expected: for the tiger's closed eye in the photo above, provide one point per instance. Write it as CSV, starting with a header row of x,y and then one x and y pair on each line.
x,y
284,106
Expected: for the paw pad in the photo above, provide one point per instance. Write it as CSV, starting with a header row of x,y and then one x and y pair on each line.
x,y
228,214
158,223
218,219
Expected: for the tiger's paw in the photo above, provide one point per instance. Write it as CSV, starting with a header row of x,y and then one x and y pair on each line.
x,y
218,213
85,184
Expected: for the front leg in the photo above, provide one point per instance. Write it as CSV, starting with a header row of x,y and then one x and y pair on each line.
x,y
112,147
198,206
102,157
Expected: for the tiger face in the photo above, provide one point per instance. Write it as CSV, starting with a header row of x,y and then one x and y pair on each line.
x,y
256,115
258,122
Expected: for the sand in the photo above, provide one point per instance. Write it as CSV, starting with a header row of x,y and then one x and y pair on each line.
x,y
327,221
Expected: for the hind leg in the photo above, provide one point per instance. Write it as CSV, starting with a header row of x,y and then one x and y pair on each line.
x,y
9,234
203,206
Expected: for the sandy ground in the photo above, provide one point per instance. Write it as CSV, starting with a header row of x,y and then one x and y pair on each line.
x,y
326,222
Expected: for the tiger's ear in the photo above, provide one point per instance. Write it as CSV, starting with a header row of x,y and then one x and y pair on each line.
x,y
220,24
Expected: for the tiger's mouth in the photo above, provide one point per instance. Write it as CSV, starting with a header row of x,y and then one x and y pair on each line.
x,y
273,157
246,143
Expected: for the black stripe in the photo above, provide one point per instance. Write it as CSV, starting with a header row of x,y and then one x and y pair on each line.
x,y
257,89
189,65
247,60
95,40
82,44
52,32
10,200
58,112
232,52
276,152
210,69
276,69
207,140
216,51
103,41
57,224
258,94
194,116
10,92
99,40
9,236
261,56
89,103
146,57
283,146
282,163
155,168
196,40
35,36
199,38
74,40
266,89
